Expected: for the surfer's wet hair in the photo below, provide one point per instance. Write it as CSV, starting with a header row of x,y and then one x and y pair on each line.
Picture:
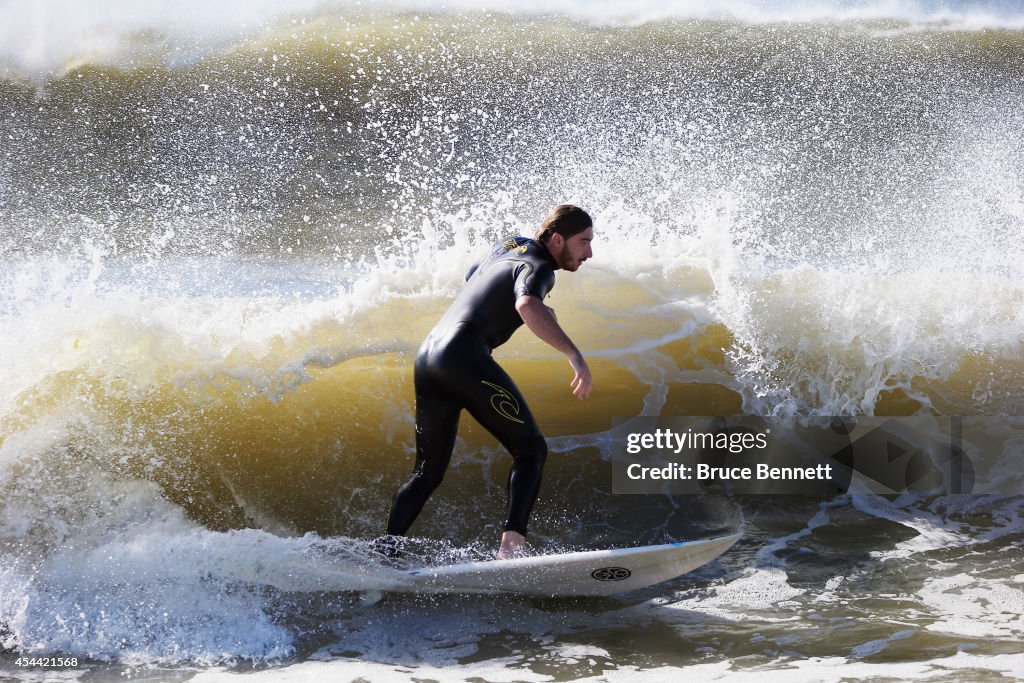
x,y
566,220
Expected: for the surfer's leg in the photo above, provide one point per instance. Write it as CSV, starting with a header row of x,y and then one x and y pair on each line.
x,y
437,423
495,402
524,480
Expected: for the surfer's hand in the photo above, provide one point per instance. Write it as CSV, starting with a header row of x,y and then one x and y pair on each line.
x,y
582,383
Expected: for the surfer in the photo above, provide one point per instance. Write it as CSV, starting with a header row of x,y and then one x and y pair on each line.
x,y
454,369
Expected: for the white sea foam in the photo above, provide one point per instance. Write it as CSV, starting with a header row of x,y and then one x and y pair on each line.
x,y
974,607
761,592
43,36
798,670
933,531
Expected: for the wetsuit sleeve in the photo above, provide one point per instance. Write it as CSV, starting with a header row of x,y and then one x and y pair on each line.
x,y
533,280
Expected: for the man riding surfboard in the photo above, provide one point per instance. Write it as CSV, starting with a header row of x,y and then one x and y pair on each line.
x,y
454,369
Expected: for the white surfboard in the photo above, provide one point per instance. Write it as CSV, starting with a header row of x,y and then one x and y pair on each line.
x,y
595,572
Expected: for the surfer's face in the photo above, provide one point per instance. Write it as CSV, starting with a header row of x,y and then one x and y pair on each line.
x,y
572,252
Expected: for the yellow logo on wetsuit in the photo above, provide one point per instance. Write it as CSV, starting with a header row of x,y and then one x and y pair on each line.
x,y
510,245
504,403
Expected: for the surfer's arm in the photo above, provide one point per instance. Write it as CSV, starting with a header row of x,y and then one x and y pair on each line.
x,y
541,321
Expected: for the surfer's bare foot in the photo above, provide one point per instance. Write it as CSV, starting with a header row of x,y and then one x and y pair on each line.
x,y
512,545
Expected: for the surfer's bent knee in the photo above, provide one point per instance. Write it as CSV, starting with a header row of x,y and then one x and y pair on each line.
x,y
530,451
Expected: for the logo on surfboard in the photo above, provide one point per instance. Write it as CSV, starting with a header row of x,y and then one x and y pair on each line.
x,y
611,574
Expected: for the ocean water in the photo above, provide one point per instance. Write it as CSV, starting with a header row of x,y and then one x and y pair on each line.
x,y
227,230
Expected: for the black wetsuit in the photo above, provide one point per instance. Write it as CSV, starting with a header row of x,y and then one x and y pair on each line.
x,y
454,371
